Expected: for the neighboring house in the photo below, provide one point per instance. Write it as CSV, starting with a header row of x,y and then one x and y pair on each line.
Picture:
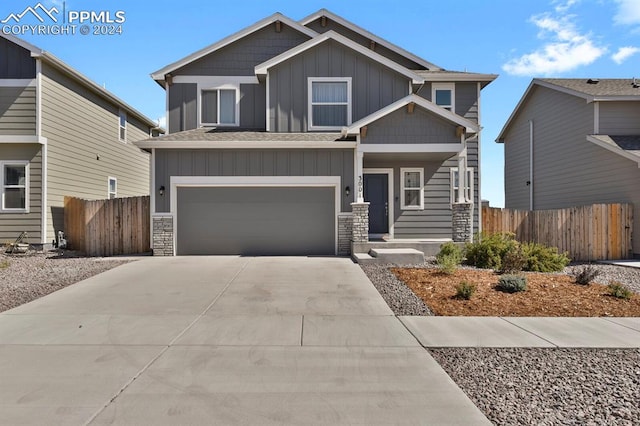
x,y
61,134
279,134
572,142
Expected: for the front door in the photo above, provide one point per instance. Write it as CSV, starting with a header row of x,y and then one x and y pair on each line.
x,y
376,192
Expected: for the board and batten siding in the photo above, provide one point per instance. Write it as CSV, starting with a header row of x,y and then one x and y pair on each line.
x,y
373,85
17,111
15,61
619,118
402,127
466,98
84,149
263,162
241,56
12,224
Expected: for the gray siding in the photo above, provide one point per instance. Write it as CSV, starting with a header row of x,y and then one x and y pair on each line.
x,y
568,170
364,41
466,100
12,224
15,61
374,86
402,127
253,106
81,127
223,162
17,110
620,118
241,56
183,107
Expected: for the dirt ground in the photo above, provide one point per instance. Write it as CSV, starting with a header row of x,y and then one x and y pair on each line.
x,y
548,295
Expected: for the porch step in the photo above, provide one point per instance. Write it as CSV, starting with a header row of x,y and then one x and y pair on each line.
x,y
363,258
400,256
428,247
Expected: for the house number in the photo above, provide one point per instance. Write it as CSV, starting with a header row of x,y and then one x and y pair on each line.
x,y
360,187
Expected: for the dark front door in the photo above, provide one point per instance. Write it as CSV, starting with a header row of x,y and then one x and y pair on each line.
x,y
376,192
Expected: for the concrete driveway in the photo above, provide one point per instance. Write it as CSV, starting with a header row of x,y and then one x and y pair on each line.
x,y
221,340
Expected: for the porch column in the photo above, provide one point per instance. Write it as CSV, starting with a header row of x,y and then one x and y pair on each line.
x,y
462,176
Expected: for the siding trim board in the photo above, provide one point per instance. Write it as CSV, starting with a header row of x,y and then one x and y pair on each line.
x,y
17,82
23,139
148,144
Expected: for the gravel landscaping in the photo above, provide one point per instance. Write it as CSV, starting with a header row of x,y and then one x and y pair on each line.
x,y
24,278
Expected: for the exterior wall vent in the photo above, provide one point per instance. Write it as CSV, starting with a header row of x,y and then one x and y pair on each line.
x,y
593,81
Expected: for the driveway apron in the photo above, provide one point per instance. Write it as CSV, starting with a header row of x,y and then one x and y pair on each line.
x,y
221,340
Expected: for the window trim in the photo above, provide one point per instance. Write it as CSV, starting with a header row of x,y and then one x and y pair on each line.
x,y
453,188
27,178
404,170
444,86
202,88
115,194
122,114
310,81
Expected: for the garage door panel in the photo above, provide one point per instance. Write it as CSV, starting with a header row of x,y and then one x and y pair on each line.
x,y
256,220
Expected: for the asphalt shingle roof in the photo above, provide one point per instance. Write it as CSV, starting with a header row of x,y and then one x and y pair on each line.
x,y
205,134
604,86
629,143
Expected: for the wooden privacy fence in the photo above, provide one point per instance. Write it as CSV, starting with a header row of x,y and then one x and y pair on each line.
x,y
107,227
596,232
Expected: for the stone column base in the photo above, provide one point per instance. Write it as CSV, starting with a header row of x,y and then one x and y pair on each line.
x,y
345,225
461,222
162,235
360,229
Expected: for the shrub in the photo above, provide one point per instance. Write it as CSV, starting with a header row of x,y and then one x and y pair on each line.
x,y
4,264
512,283
586,274
452,250
619,290
488,251
448,264
513,260
541,258
464,290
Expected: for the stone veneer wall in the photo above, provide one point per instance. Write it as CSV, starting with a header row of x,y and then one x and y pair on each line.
x,y
345,225
461,221
360,228
163,236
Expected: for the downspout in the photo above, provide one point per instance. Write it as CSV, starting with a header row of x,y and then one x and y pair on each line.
x,y
530,182
43,153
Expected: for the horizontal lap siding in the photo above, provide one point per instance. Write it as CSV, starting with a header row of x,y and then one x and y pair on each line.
x,y
12,224
373,86
307,162
17,110
80,127
619,118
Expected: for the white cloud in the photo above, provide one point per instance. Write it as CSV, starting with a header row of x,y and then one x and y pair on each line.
x,y
628,12
566,49
162,122
624,53
563,6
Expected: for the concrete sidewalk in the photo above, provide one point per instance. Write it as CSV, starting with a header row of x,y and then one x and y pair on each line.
x,y
221,340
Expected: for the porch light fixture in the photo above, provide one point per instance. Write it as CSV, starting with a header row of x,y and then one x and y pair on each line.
x,y
162,191
347,191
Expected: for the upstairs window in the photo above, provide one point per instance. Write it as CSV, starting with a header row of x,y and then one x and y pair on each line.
x,y
412,188
455,185
112,188
444,95
15,184
122,126
329,103
218,107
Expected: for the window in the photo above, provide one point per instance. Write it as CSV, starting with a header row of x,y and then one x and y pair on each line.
x,y
329,103
455,186
15,186
123,126
218,107
444,94
412,189
112,188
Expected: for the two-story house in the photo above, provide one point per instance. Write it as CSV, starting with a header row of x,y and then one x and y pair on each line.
x,y
573,142
61,134
310,137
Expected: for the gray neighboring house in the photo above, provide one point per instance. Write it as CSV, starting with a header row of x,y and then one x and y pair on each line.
x,y
313,137
572,142
61,134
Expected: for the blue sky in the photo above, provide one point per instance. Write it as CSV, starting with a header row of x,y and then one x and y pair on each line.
x,y
517,39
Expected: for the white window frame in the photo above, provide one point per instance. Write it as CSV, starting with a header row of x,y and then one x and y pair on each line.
x,y
115,194
444,86
469,190
310,103
404,170
26,185
203,88
122,114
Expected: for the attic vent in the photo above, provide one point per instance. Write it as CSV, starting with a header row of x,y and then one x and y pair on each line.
x,y
593,81
634,83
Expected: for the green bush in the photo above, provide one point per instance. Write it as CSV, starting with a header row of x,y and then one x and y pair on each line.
x,y
512,283
488,251
464,290
541,258
619,290
586,274
513,260
448,264
452,250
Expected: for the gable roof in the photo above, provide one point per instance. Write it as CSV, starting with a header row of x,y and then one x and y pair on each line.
x,y
444,75
261,69
160,74
469,125
47,57
324,12
595,89
627,146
